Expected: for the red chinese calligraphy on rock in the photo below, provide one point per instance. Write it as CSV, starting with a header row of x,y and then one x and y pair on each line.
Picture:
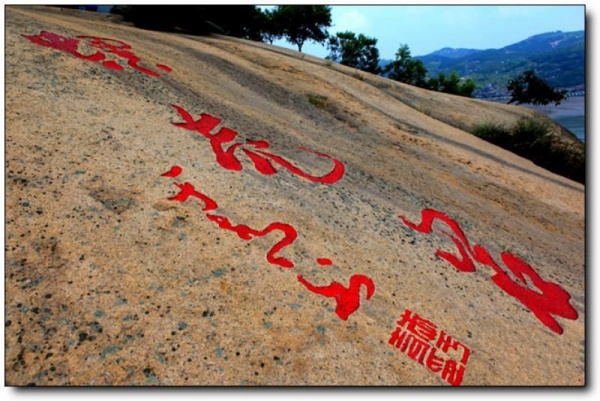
x,y
421,341
464,263
188,190
254,150
247,233
551,299
347,298
548,301
68,45
123,50
174,172
118,48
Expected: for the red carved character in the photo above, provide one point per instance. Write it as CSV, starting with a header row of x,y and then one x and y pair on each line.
x,y
188,190
548,301
347,299
433,362
453,372
464,263
254,150
414,335
414,340
417,325
247,233
174,172
413,346
71,45
68,45
445,342
122,49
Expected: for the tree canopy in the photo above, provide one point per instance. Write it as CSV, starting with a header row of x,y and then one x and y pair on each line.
x,y
270,28
529,88
413,72
452,85
297,24
406,69
354,51
245,21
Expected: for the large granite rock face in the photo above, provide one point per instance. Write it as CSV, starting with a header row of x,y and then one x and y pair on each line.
x,y
143,249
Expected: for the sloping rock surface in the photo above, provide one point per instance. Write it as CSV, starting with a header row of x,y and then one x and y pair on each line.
x,y
143,249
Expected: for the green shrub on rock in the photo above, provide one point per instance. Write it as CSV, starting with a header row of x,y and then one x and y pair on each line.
x,y
532,139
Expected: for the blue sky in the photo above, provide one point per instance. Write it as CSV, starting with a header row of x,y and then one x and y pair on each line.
x,y
428,28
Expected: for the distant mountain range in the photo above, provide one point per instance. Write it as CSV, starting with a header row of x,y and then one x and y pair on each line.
x,y
454,53
558,57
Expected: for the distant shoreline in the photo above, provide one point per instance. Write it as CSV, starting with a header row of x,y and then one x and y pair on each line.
x,y
570,114
571,107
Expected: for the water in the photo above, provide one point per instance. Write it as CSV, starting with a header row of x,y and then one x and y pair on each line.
x,y
575,124
570,114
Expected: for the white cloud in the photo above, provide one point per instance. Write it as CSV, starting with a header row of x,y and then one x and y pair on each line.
x,y
351,20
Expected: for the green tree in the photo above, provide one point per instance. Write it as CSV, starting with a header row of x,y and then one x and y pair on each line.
x,y
242,21
406,69
452,85
529,88
467,88
235,20
354,51
437,83
271,29
301,23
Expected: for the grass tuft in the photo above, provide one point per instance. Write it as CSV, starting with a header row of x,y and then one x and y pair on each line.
x,y
533,140
317,100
